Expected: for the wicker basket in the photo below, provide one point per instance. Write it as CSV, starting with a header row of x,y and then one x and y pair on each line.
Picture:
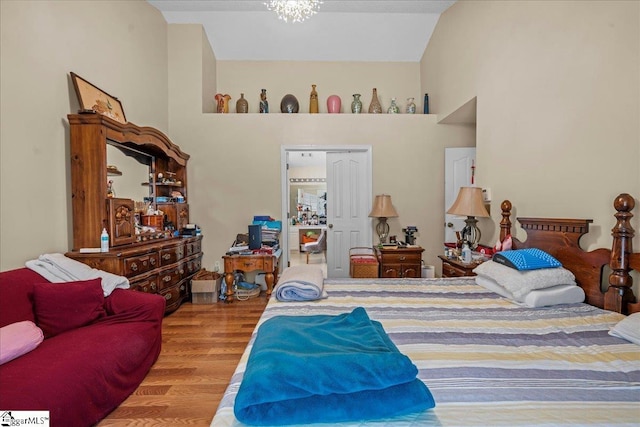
x,y
363,263
245,294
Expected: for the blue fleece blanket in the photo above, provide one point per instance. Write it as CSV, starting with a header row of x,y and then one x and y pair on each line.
x,y
312,369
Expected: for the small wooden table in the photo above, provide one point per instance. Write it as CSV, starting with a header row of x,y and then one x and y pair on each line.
x,y
269,263
400,262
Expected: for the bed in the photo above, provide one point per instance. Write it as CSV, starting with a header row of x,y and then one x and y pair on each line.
x,y
490,362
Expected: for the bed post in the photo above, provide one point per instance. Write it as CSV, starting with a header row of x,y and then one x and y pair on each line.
x,y
619,293
505,223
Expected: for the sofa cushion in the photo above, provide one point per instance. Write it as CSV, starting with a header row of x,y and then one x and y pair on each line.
x,y
18,338
16,295
69,305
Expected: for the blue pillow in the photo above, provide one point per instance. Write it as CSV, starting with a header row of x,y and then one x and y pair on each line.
x,y
526,259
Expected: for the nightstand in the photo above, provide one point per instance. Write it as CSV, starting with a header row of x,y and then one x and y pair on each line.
x,y
454,268
400,262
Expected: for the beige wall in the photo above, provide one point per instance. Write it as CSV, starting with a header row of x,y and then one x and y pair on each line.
x,y
235,167
120,47
557,104
558,93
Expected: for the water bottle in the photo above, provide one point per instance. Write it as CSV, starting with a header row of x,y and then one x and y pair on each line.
x,y
426,104
104,241
466,253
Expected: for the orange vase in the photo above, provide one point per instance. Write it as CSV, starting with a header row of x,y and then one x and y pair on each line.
x,y
222,103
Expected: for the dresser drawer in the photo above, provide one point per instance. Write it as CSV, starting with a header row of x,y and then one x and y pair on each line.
x,y
193,248
192,266
169,277
171,255
140,264
400,258
174,295
246,264
148,284
449,270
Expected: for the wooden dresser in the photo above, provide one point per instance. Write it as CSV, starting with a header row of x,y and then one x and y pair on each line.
x,y
165,266
151,169
400,262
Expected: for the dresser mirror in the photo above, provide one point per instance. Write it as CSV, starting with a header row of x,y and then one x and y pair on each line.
x,y
128,169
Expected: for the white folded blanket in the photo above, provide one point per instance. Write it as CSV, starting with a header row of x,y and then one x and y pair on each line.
x,y
300,283
58,268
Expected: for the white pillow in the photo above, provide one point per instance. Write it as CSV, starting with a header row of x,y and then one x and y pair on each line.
x,y
628,328
520,283
561,294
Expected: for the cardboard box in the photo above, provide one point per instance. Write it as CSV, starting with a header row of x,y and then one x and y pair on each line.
x,y
205,287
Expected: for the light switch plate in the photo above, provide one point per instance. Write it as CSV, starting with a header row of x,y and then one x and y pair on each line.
x,y
486,194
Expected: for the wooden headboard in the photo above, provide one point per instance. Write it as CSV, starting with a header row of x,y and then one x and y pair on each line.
x,y
561,238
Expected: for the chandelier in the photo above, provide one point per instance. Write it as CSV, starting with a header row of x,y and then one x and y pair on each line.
x,y
294,10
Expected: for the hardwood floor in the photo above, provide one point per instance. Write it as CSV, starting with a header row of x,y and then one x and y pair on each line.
x,y
201,346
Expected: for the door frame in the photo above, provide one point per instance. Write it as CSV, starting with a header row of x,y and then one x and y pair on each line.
x,y
284,185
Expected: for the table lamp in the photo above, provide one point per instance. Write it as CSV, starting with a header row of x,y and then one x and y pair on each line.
x,y
470,204
383,209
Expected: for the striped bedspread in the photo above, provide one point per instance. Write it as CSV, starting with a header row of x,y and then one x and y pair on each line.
x,y
488,362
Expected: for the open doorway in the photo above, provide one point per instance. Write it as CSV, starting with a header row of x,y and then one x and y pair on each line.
x,y
336,182
307,182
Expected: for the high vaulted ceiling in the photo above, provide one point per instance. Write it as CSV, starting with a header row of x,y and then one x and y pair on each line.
x,y
343,30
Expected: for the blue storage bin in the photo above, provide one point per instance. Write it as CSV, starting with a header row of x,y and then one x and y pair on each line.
x,y
269,224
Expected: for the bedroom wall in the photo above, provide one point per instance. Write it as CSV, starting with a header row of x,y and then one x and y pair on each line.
x,y
558,94
120,47
234,171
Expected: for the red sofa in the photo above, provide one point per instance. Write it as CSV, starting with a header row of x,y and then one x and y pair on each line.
x,y
80,374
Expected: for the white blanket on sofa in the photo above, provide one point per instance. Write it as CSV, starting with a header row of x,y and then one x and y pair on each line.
x,y
58,268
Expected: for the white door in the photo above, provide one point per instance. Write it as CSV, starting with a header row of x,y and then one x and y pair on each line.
x,y
459,166
348,206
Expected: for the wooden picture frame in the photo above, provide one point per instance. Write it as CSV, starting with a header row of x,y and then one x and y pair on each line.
x,y
92,98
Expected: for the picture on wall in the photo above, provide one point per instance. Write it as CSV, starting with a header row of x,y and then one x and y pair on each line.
x,y
92,98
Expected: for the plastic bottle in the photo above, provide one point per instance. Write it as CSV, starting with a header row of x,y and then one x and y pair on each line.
x,y
104,241
466,253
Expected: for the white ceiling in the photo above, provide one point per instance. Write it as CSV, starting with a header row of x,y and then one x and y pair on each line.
x,y
343,30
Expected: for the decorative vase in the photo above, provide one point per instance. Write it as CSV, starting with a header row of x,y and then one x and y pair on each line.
x,y
411,106
334,104
222,103
242,106
375,107
426,103
393,108
313,100
289,104
264,104
356,104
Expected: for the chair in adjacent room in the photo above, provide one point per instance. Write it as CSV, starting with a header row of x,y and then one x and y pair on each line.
x,y
317,247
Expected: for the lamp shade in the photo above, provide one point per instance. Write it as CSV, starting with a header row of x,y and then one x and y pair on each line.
x,y
382,207
469,203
